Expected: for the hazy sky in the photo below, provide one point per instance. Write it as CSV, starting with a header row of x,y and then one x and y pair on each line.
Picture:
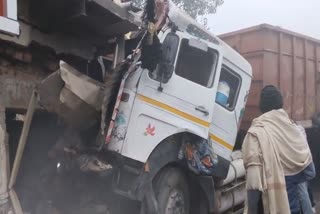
x,y
302,16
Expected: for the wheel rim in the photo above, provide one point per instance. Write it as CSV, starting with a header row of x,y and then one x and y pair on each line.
x,y
176,203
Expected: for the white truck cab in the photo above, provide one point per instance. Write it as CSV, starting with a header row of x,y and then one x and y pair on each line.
x,y
185,99
160,109
181,97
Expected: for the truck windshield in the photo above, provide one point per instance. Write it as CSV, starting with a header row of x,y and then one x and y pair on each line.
x,y
196,65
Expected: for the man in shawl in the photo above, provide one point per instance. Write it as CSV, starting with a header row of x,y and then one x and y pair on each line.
x,y
276,157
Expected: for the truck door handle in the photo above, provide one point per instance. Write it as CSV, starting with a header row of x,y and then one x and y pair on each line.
x,y
202,110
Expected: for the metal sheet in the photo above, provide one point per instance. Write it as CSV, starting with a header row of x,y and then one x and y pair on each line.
x,y
286,85
64,98
298,90
86,88
310,89
256,62
251,42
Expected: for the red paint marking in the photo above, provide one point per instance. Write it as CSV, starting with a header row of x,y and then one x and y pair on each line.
x,y
150,130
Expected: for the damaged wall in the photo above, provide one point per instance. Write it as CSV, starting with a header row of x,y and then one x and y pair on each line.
x,y
20,71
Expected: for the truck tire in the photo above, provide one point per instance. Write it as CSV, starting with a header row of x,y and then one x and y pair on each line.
x,y
172,192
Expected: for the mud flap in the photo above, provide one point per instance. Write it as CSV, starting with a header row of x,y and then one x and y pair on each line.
x,y
150,205
207,185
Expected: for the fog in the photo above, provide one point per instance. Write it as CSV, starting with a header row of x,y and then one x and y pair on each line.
x,y
295,15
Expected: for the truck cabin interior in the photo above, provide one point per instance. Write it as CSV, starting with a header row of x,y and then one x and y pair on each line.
x,y
233,81
196,65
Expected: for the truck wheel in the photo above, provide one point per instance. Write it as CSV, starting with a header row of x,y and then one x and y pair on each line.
x,y
172,192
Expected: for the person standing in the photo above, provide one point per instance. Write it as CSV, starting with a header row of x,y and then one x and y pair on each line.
x,y
303,188
276,159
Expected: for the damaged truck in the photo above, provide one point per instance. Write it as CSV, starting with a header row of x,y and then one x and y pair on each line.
x,y
138,113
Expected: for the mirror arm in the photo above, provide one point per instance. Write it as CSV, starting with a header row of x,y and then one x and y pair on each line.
x,y
160,88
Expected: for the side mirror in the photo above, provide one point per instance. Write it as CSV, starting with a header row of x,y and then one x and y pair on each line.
x,y
165,67
165,71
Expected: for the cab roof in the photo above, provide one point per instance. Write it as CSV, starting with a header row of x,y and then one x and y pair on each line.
x,y
187,24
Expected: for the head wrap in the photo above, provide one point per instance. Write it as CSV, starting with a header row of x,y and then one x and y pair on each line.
x,y
270,99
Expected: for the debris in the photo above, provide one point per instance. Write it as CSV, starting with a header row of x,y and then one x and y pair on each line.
x,y
90,163
199,156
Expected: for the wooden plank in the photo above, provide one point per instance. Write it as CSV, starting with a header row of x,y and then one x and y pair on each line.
x,y
23,139
3,154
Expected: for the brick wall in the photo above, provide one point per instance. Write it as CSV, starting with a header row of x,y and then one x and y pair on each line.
x,y
21,69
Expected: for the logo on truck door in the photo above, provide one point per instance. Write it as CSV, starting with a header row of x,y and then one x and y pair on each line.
x,y
150,130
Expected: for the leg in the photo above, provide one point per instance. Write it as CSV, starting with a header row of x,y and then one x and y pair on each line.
x,y
313,203
254,201
304,198
292,191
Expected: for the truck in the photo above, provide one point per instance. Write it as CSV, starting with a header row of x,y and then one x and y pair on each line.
x,y
150,121
290,61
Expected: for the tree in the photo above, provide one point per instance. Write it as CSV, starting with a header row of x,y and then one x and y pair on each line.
x,y
194,8
197,8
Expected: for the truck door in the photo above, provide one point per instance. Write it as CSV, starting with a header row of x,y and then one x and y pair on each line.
x,y
186,92
233,88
